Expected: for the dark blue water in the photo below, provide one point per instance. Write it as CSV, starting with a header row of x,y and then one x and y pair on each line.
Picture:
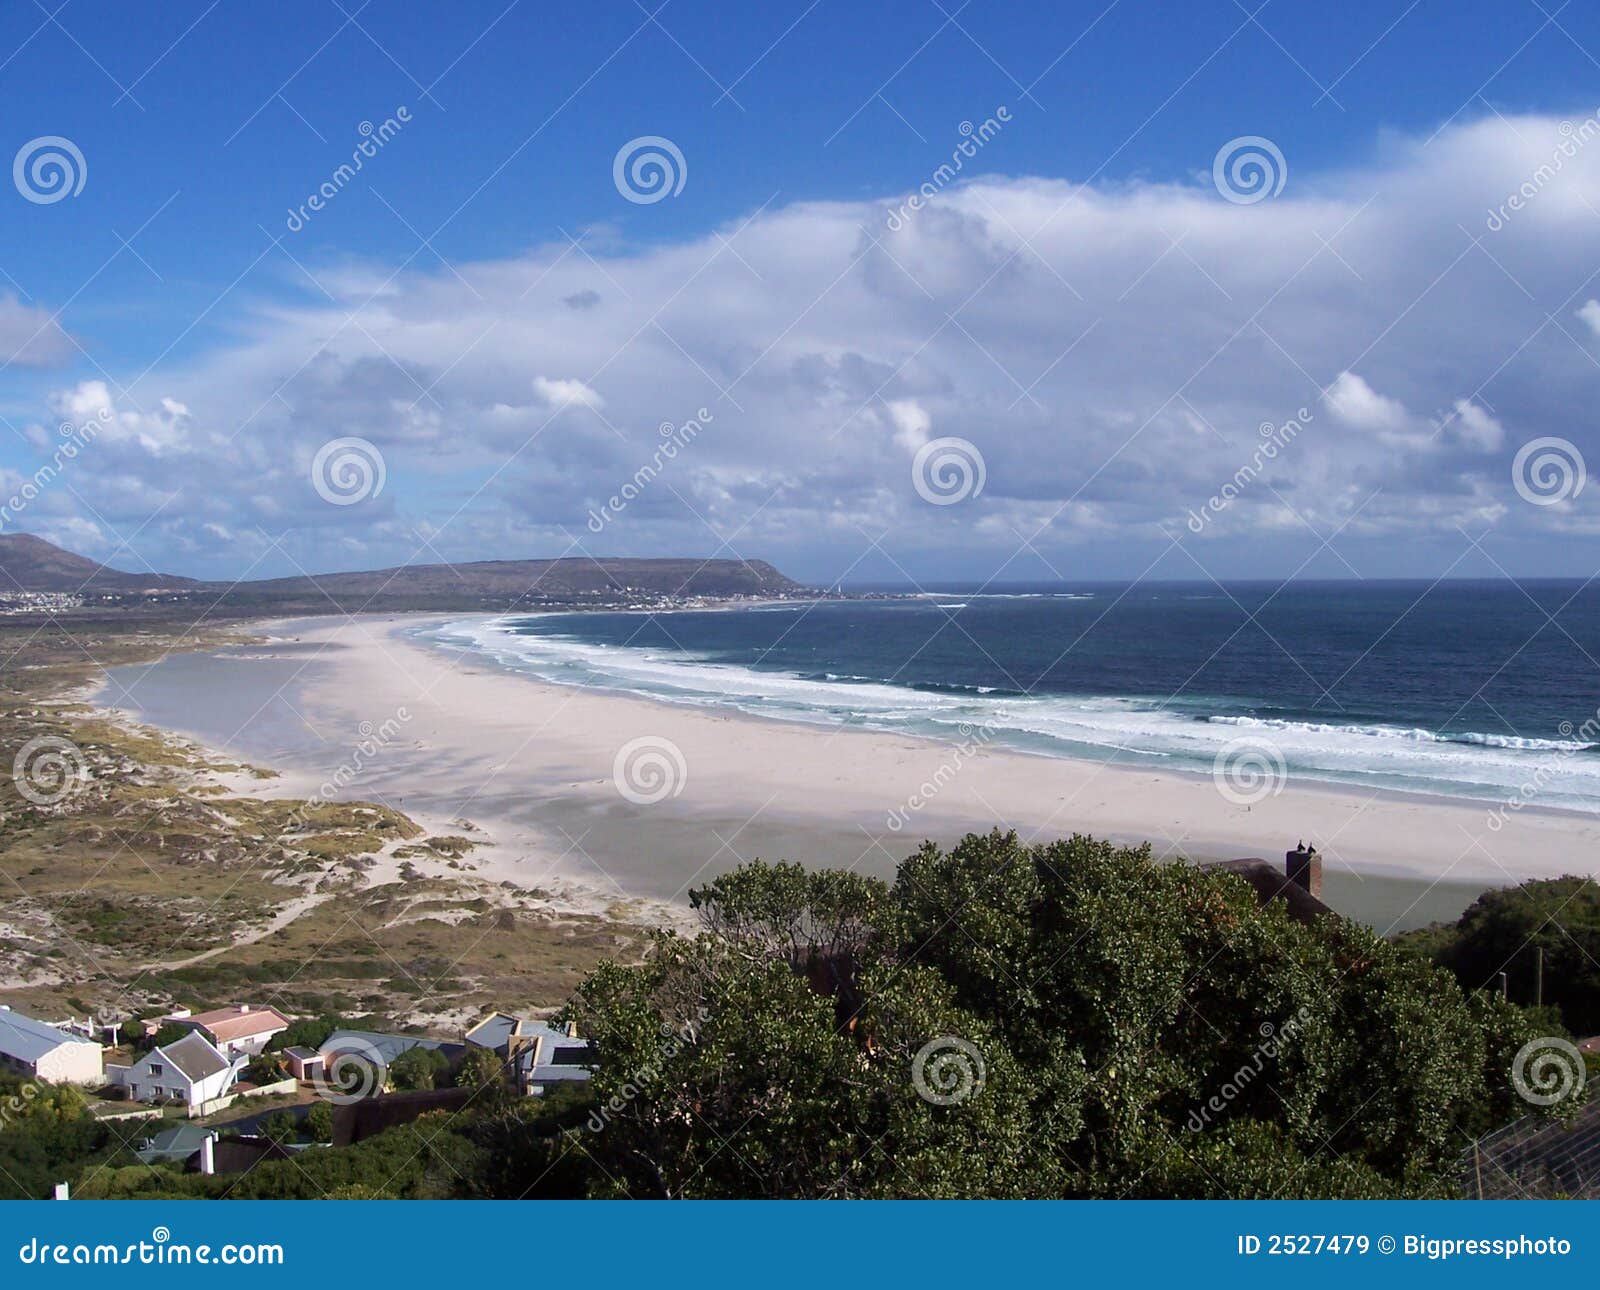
x,y
1463,688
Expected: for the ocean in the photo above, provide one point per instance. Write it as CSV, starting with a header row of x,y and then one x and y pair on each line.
x,y
1480,690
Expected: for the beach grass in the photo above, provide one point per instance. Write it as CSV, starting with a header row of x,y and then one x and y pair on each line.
x,y
167,876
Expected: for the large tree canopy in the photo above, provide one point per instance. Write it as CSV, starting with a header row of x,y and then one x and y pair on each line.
x,y
1070,1019
1510,930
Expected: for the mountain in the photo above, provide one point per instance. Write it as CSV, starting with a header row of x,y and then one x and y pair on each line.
x,y
30,563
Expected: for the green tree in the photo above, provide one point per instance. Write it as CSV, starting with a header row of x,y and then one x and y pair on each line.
x,y
1071,1019
319,1122
308,1032
1509,929
264,1068
481,1069
418,1069
280,1126
46,1135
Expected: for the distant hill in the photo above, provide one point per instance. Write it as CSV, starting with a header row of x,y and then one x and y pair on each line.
x,y
554,579
30,563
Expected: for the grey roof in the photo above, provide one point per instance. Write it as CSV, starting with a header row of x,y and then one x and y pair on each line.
x,y
194,1056
301,1054
178,1142
563,1057
493,1031
371,1043
27,1040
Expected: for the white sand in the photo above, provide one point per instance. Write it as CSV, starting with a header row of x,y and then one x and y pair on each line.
x,y
481,738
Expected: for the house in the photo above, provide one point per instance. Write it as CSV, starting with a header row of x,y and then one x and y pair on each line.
x,y
189,1070
1298,884
242,1030
378,1048
40,1051
375,1049
536,1054
305,1064
173,1144
198,1149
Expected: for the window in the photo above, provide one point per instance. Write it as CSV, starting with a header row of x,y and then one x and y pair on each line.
x,y
155,1069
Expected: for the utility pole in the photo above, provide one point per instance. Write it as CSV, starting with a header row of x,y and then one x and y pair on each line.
x,y
1538,979
1505,985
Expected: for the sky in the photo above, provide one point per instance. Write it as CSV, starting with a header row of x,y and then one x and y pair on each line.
x,y
907,292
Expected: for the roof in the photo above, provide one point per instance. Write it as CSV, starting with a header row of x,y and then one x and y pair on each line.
x,y
178,1142
301,1054
493,1031
1272,883
372,1043
240,1155
560,1056
229,1025
194,1057
26,1039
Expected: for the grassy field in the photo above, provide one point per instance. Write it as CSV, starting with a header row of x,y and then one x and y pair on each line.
x,y
150,873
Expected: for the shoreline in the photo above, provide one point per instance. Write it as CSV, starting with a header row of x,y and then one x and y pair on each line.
x,y
1487,806
501,853
532,763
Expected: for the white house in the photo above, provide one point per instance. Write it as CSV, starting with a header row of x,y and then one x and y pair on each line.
x,y
40,1051
239,1030
536,1054
189,1070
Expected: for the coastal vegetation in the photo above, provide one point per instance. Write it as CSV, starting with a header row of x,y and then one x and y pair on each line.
x,y
166,875
1072,1019
1069,1019
1001,1019
1544,936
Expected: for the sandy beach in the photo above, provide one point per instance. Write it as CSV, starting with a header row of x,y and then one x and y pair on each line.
x,y
356,706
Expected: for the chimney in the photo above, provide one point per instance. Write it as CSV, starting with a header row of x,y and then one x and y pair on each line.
x,y
1304,866
208,1154
572,1030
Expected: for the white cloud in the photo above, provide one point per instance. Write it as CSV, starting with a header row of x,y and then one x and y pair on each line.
x,y
911,423
1475,427
1360,406
558,394
1109,383
1589,311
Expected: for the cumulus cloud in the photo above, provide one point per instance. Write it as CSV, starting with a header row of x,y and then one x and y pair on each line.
x,y
1357,404
1109,382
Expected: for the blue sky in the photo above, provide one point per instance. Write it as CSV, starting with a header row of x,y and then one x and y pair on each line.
x,y
202,126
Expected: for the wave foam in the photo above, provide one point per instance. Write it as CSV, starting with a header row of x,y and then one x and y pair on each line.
x,y
1187,733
